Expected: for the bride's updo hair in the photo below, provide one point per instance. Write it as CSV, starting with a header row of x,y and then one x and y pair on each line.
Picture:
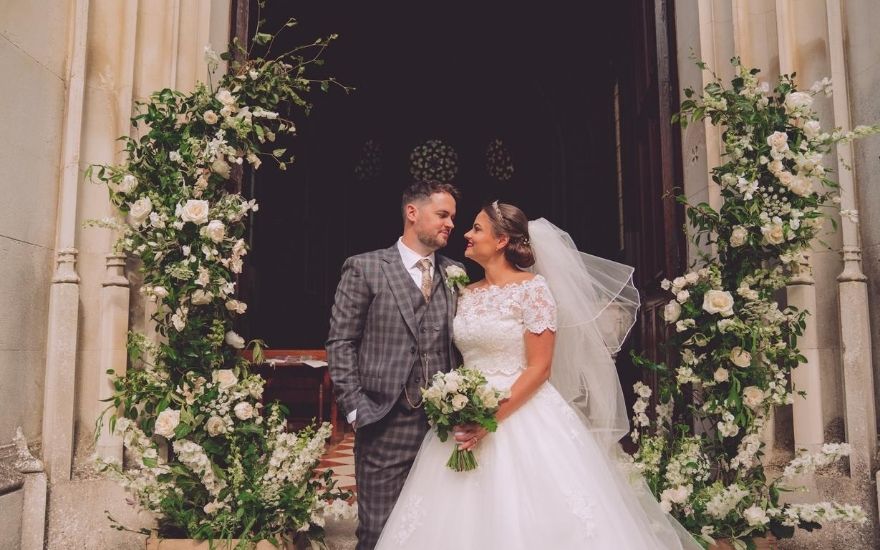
x,y
509,220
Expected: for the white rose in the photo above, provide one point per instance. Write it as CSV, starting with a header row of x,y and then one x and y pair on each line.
x,y
797,100
801,186
721,375
738,236
140,210
236,306
692,278
215,230
755,515
459,401
678,283
455,271
215,426
812,129
740,357
775,167
671,312
778,141
785,177
160,292
225,97
224,378
127,185
683,296
234,340
221,168
210,117
195,211
201,297
753,396
166,422
244,410
718,301
773,233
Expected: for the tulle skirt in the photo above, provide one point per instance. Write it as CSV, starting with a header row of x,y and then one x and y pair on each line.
x,y
543,482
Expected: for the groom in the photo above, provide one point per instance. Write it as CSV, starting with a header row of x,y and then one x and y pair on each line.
x,y
390,332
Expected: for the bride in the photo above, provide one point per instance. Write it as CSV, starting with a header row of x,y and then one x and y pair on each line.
x,y
548,478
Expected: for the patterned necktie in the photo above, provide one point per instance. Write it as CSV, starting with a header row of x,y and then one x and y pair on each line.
x,y
424,266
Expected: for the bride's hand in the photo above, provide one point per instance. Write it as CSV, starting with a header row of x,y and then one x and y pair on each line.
x,y
468,435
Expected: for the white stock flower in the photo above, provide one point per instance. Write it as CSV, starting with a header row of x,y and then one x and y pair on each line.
x,y
140,210
718,301
234,340
244,410
166,422
755,515
224,378
797,101
753,396
740,357
221,168
642,390
215,426
195,211
778,141
215,230
159,292
812,129
672,311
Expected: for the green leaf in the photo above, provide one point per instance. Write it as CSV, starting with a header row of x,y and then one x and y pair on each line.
x,y
262,38
278,152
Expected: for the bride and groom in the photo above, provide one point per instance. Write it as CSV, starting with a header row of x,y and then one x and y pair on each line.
x,y
543,324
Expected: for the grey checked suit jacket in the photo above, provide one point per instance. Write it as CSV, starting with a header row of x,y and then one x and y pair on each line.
x,y
372,342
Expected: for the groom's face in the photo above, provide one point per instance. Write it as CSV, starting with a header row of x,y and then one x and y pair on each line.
x,y
433,221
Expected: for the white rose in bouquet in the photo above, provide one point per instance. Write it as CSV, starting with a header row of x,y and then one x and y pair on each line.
x,y
127,185
753,396
210,117
215,426
225,97
224,378
459,401
234,340
672,312
244,410
682,296
721,375
755,515
812,129
797,101
740,357
801,186
718,301
774,233
201,297
195,211
166,422
215,230
778,141
738,236
139,211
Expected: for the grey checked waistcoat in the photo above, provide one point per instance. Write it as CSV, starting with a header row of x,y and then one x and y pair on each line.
x,y
432,336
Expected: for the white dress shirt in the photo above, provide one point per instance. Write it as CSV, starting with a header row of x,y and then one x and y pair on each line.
x,y
411,260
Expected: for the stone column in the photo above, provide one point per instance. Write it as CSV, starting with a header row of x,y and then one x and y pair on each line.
x,y
33,513
61,352
113,355
855,330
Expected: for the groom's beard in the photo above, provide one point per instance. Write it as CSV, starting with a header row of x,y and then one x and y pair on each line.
x,y
434,241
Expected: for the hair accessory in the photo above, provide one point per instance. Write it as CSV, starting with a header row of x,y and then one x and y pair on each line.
x,y
497,210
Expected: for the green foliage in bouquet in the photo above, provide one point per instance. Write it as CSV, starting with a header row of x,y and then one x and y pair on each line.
x,y
735,346
202,453
462,396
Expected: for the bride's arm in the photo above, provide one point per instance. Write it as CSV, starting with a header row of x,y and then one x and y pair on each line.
x,y
539,352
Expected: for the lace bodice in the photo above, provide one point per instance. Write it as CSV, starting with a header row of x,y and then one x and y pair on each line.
x,y
491,321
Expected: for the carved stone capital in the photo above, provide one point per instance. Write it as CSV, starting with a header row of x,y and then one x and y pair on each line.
x,y
852,266
114,274
65,266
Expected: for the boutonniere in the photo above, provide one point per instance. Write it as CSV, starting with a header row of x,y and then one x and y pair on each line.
x,y
456,278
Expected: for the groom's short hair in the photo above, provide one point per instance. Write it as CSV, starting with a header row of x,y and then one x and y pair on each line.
x,y
421,191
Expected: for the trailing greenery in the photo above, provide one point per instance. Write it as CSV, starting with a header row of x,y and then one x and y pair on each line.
x,y
735,346
202,452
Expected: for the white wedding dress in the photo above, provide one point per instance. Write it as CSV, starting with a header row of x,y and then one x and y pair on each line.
x,y
543,481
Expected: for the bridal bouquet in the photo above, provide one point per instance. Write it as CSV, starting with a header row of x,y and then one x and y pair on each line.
x,y
459,397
